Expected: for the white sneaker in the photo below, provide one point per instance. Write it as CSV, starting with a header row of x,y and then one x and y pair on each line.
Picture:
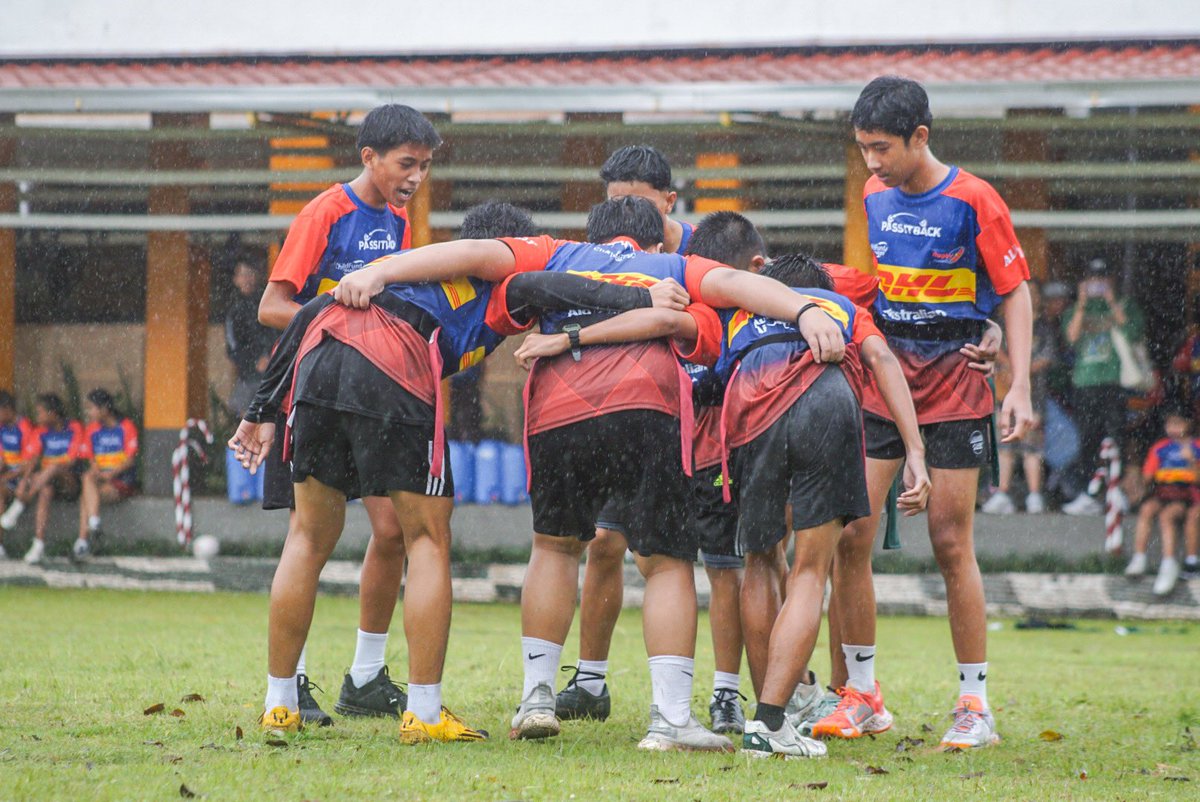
x,y
9,519
786,743
804,702
826,704
36,552
999,504
535,717
1035,504
973,726
1137,565
82,550
691,736
1083,504
1168,575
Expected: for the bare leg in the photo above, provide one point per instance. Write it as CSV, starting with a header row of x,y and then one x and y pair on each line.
x,y
1145,524
760,604
853,582
951,531
551,584
724,616
383,566
795,632
89,502
1168,524
1033,472
1008,460
603,593
320,515
1191,531
425,522
669,607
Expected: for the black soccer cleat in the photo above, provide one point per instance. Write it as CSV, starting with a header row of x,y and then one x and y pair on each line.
x,y
379,697
573,702
726,712
310,712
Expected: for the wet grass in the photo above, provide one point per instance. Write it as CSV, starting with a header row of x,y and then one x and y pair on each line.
x,y
80,667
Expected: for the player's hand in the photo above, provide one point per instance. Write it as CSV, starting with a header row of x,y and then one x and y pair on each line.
x,y
823,335
539,345
667,294
358,288
916,486
982,355
1016,415
251,443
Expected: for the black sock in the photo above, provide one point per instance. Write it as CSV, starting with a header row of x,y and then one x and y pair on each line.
x,y
771,715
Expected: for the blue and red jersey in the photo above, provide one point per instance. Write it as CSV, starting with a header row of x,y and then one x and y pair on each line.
x,y
14,442
337,233
109,446
61,446
688,230
644,375
945,259
1171,462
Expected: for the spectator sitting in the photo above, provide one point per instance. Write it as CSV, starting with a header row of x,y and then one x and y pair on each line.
x,y
110,445
1170,467
247,342
1097,394
14,441
49,470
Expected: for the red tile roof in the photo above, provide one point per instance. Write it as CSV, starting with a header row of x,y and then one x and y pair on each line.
x,y
1031,63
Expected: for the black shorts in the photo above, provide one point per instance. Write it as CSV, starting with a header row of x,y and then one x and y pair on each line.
x,y
364,456
630,458
611,516
714,522
277,476
949,444
811,458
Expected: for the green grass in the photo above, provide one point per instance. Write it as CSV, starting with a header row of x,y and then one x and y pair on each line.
x,y
77,668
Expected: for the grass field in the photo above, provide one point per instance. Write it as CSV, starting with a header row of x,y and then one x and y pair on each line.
x,y
79,667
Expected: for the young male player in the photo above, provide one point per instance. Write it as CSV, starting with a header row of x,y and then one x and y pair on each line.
x,y
642,171
362,387
52,452
947,257
605,425
731,239
15,433
339,231
109,447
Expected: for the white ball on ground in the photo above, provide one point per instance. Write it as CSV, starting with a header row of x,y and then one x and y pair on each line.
x,y
206,547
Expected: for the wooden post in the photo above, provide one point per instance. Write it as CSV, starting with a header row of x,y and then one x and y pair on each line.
x,y
1029,193
856,239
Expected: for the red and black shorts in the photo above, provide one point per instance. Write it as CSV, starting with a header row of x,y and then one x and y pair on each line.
x,y
949,444
628,460
1177,493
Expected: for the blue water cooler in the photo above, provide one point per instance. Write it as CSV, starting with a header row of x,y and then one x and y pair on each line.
x,y
241,486
462,466
488,471
513,486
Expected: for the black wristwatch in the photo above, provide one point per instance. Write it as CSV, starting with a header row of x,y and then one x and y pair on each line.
x,y
572,332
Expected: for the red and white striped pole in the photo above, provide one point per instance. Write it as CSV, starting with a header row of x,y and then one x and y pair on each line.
x,y
1108,475
179,469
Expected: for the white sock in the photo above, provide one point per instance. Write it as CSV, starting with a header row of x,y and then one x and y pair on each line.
x,y
300,668
368,657
972,681
93,522
281,692
425,702
724,681
860,666
671,686
540,658
592,674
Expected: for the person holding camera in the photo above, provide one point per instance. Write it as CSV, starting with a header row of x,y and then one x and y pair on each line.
x,y
1095,328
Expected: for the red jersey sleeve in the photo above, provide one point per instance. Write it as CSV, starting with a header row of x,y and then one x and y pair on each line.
x,y
1152,463
77,440
856,285
708,336
532,253
996,241
497,316
85,445
694,271
31,443
131,437
307,239
864,327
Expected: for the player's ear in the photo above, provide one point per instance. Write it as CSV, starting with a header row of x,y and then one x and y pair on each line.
x,y
920,137
368,156
669,198
655,248
757,262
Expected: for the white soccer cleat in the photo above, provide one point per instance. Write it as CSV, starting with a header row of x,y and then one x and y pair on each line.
x,y
973,726
805,701
82,550
1137,565
786,743
37,551
1168,575
1035,504
691,736
10,517
999,504
1083,504
535,717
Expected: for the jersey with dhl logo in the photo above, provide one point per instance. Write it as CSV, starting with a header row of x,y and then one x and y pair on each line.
x,y
767,365
1169,463
643,375
947,255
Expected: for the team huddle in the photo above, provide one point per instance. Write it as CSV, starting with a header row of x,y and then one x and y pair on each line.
x,y
688,393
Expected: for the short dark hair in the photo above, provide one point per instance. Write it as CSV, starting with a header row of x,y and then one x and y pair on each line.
x,y
893,105
638,163
103,399
496,219
7,401
728,238
799,270
388,127
53,404
633,217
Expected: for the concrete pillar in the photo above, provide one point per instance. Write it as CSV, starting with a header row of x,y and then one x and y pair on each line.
x,y
856,239
1029,193
8,266
177,293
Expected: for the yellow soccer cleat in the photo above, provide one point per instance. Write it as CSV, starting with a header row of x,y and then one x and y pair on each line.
x,y
280,721
448,728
